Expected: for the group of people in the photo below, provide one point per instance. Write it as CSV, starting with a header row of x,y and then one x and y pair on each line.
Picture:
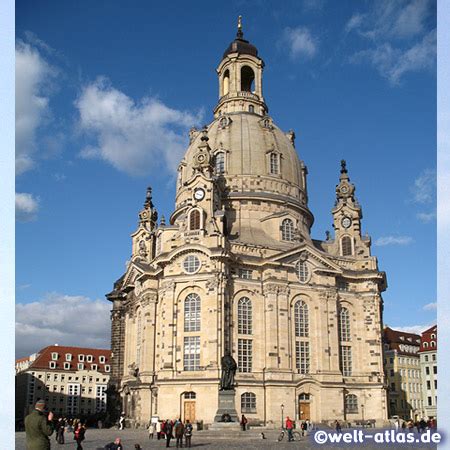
x,y
420,425
305,427
169,429
75,426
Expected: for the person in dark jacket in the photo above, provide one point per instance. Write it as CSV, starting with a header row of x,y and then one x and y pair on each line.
x,y
188,433
168,431
116,445
60,428
179,432
78,435
38,427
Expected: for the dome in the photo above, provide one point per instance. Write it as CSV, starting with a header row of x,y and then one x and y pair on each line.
x,y
241,46
247,139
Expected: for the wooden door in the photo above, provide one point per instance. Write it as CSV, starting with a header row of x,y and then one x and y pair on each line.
x,y
304,408
189,411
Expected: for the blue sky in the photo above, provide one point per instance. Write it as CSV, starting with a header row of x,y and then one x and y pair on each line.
x,y
105,95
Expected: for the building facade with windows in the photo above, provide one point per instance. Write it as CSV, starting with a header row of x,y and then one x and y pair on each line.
x,y
235,269
72,380
403,374
428,364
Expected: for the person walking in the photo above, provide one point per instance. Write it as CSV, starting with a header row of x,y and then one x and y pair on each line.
x,y
158,430
78,435
289,428
168,431
244,422
60,428
188,433
179,432
151,430
122,421
38,427
337,426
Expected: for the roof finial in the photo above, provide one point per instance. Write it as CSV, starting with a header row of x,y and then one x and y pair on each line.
x,y
343,166
239,34
148,198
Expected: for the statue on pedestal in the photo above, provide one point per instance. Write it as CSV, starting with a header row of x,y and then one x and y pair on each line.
x,y
229,367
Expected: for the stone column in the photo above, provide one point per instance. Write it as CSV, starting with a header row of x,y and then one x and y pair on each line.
x,y
271,324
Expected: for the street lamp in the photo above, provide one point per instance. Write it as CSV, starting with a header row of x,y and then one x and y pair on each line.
x,y
362,411
282,415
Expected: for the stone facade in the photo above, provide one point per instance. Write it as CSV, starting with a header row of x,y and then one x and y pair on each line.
x,y
235,269
428,365
402,365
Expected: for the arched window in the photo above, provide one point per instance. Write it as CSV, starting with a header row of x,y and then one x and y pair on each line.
x,y
194,220
301,319
248,402
344,325
346,243
304,397
287,230
192,313
245,316
251,108
274,164
226,82
247,79
346,360
219,163
190,395
351,403
302,271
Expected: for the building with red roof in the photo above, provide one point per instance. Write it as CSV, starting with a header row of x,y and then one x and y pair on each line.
x,y
428,364
73,381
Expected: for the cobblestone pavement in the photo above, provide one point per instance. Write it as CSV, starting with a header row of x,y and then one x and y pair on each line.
x,y
96,439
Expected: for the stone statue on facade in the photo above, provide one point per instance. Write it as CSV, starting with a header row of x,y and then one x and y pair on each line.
x,y
229,367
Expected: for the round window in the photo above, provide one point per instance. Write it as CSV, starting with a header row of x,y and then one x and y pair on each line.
x,y
191,264
302,271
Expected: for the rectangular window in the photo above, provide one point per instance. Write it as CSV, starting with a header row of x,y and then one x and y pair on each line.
x,y
427,370
342,285
94,367
428,384
245,355
430,401
89,358
68,357
81,358
107,368
245,274
346,360
392,372
80,366
435,384
426,358
433,357
73,398
54,356
66,366
435,370
52,365
100,398
274,164
102,360
302,357
192,353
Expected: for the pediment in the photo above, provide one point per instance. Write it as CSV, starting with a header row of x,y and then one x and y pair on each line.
x,y
133,272
304,252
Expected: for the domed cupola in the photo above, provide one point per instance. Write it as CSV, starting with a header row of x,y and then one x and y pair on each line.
x,y
240,78
240,45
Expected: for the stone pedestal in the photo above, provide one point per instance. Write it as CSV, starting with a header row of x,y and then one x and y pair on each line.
x,y
226,407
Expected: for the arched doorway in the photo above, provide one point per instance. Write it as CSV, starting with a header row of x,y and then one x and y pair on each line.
x,y
189,406
304,406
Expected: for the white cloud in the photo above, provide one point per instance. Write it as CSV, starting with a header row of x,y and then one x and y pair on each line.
x,y
426,217
430,306
393,240
27,207
354,22
33,76
393,63
62,319
300,42
134,137
424,188
416,329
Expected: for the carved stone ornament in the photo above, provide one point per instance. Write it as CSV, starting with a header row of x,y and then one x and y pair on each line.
x,y
212,284
303,256
224,122
271,289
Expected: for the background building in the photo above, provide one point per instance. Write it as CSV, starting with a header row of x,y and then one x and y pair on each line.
x,y
72,380
428,364
402,366
236,270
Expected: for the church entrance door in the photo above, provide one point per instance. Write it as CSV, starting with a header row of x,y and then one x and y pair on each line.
x,y
189,411
304,407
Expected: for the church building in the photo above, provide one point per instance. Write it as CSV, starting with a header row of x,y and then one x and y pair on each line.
x,y
235,269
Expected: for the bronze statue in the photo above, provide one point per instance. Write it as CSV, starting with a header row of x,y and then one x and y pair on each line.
x,y
229,367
